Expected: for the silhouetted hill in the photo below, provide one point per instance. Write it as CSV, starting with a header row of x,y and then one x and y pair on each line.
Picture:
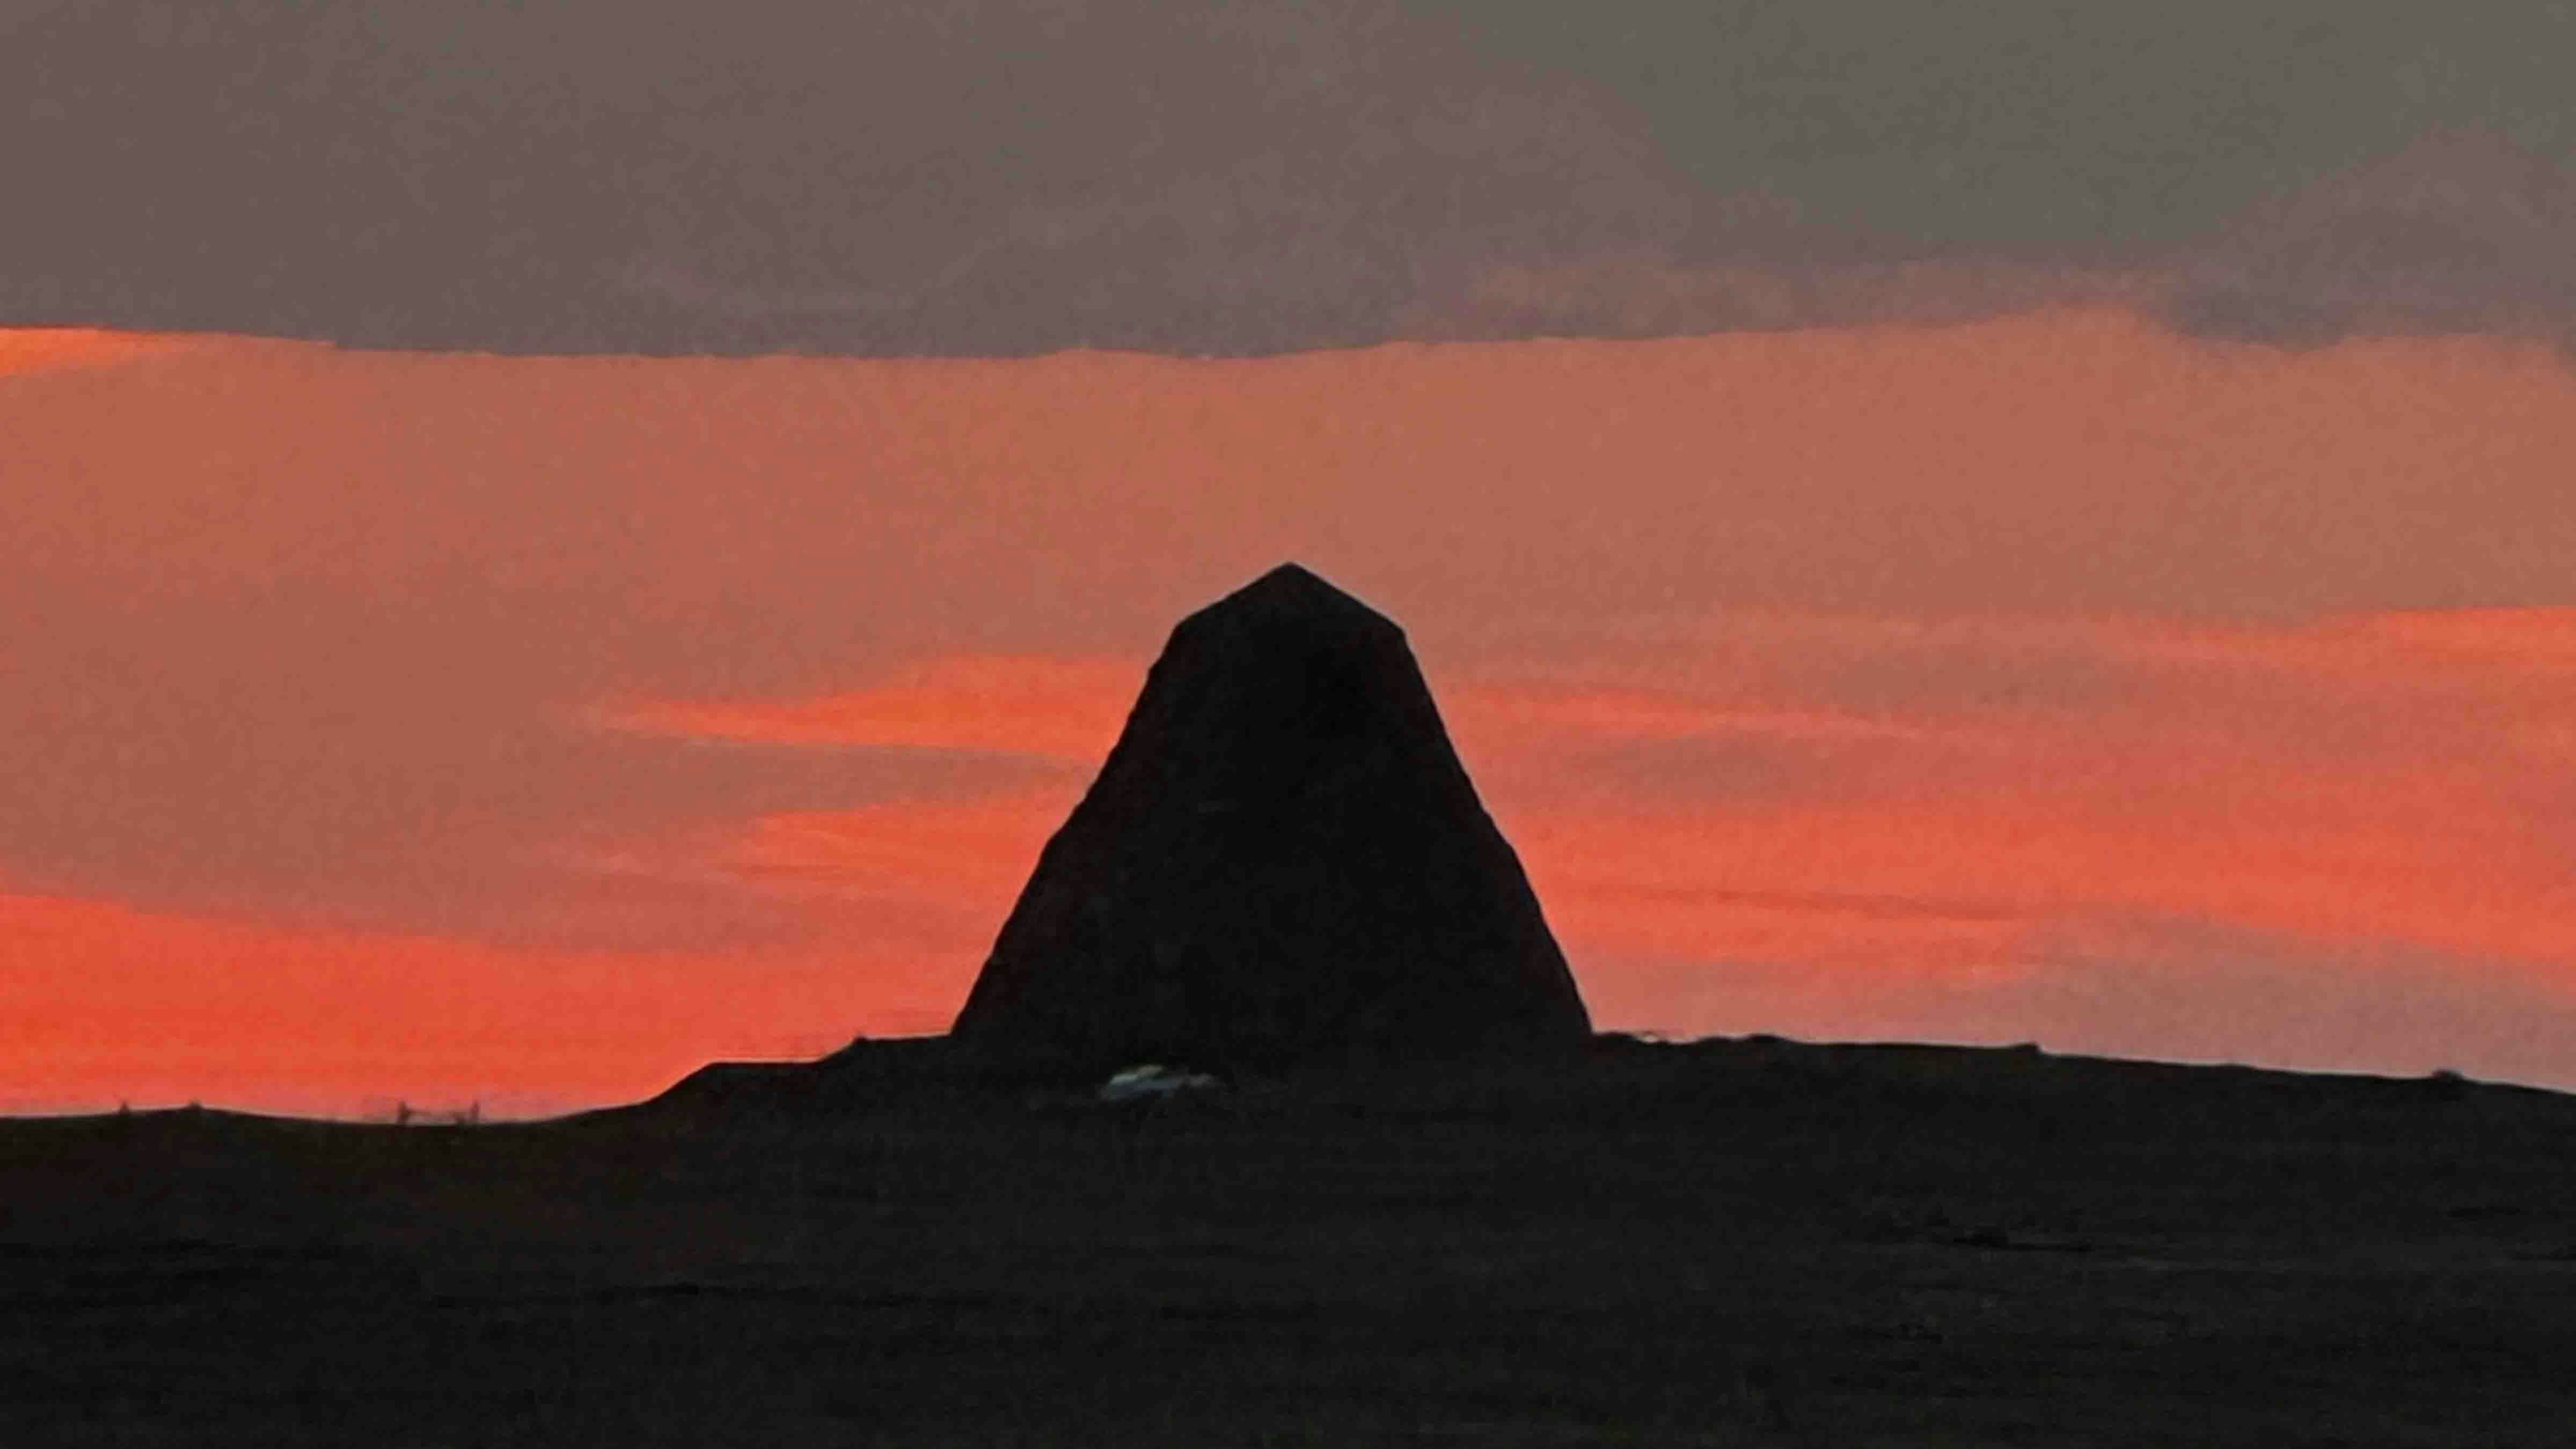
x,y
1747,1241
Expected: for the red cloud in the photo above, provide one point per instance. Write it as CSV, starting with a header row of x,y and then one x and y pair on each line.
x,y
1873,660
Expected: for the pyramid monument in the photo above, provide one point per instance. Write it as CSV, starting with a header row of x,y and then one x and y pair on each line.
x,y
1281,863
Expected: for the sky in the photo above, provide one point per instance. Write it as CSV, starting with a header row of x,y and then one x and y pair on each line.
x,y
530,730
1010,177
528,565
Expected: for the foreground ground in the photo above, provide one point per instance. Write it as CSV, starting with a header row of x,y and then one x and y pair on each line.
x,y
1752,1243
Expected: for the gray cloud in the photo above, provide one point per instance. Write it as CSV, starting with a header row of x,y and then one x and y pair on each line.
x,y
1012,176
600,175
2461,232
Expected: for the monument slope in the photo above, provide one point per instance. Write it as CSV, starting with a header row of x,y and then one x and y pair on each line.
x,y
1281,862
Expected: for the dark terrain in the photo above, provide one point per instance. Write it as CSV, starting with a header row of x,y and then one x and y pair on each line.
x,y
1732,1242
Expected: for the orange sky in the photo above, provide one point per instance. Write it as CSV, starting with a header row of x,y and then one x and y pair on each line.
x,y
56,349
442,727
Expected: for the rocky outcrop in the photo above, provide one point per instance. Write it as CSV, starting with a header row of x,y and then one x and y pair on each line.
x,y
1282,862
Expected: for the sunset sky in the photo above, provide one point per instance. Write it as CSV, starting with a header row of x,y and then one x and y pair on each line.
x,y
1930,656
401,726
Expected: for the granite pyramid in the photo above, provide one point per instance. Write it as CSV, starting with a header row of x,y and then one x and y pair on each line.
x,y
1281,863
